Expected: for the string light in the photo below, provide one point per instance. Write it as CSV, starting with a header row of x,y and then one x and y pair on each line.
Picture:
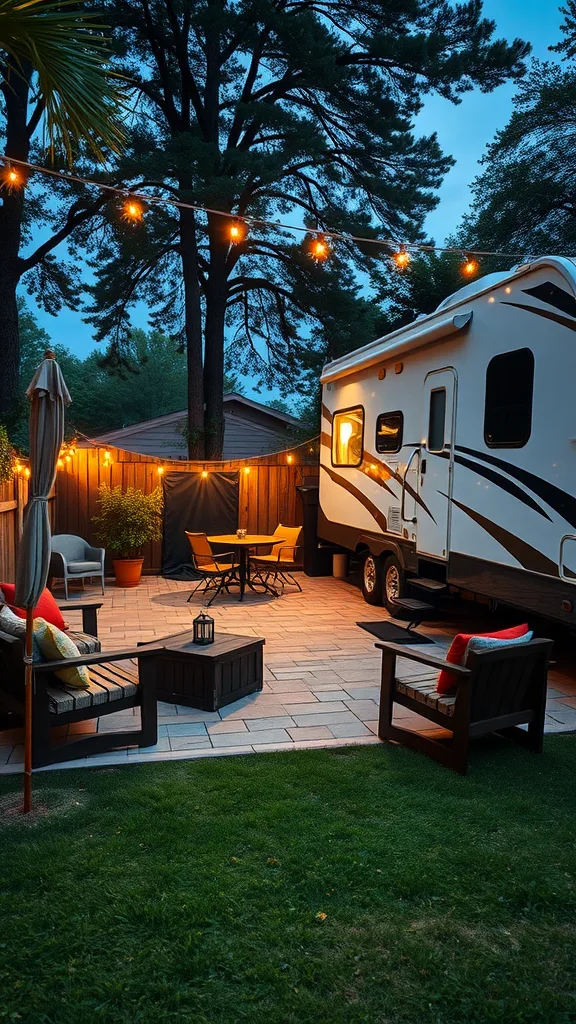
x,y
319,250
246,470
470,266
133,211
160,470
204,474
12,177
238,231
27,473
60,464
138,203
289,459
401,258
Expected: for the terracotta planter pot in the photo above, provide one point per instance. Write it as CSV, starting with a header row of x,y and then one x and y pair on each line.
x,y
128,571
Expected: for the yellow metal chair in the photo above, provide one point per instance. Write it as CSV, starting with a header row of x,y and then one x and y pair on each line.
x,y
281,559
217,571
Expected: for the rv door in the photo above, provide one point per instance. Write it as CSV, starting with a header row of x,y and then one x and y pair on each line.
x,y
436,463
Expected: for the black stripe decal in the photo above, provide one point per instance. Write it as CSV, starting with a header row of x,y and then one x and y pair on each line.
x,y
552,295
545,313
370,507
500,481
562,502
524,553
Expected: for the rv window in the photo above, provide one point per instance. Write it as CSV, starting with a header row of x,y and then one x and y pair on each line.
x,y
508,408
348,437
437,420
389,429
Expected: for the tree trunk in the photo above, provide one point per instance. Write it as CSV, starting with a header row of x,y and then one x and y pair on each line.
x,y
216,297
15,91
193,332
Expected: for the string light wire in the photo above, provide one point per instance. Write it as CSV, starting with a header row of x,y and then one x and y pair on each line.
x,y
128,193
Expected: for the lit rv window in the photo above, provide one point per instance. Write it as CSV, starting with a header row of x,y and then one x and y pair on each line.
x,y
437,420
389,429
348,437
508,408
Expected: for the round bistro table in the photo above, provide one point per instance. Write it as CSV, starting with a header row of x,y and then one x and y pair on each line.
x,y
242,545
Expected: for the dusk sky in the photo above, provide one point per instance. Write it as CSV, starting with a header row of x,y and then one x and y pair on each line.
x,y
463,131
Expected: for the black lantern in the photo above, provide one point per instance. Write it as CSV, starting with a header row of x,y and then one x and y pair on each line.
x,y
203,629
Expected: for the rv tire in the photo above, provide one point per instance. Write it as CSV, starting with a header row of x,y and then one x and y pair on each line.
x,y
393,584
372,578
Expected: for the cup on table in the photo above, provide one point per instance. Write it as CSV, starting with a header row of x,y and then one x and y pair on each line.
x,y
241,534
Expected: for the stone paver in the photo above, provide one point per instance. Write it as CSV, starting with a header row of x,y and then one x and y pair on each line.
x,y
321,677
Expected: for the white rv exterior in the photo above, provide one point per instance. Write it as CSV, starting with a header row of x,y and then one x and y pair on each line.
x,y
449,446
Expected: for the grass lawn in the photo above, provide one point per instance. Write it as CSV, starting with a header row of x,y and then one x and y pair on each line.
x,y
366,884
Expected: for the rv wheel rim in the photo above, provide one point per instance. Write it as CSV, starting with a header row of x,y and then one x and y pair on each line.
x,y
369,574
392,583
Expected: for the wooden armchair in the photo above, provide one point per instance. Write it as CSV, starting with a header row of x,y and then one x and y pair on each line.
x,y
281,560
217,572
498,691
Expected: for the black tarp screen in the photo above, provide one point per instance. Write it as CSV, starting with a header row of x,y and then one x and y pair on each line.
x,y
198,504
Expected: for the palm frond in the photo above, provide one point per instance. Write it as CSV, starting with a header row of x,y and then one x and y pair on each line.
x,y
69,52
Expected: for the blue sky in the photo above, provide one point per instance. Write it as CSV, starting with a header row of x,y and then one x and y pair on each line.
x,y
464,131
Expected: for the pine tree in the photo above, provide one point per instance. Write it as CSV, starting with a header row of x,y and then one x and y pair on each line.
x,y
276,109
524,198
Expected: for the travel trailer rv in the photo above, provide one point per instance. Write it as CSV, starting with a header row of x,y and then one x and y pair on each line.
x,y
448,449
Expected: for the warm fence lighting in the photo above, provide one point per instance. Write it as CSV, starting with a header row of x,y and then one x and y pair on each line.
x,y
289,458
246,470
133,211
401,258
17,467
204,474
68,458
27,473
160,470
470,266
60,464
107,456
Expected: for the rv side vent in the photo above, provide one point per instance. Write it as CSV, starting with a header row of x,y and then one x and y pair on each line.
x,y
394,519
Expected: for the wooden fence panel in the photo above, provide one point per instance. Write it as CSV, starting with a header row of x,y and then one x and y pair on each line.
x,y
13,497
267,493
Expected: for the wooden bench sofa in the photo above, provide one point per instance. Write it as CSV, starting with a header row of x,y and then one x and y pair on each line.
x,y
116,685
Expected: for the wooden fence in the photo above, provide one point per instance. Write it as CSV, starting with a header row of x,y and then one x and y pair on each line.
x,y
13,497
267,487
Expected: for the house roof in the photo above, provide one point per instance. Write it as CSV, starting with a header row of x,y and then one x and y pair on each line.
x,y
112,436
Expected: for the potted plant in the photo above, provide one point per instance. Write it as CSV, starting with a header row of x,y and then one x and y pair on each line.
x,y
126,522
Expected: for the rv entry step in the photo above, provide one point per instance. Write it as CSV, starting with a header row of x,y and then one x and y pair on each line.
x,y
417,610
431,585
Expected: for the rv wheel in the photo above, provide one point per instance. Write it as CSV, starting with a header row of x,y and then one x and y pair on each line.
x,y
394,584
372,579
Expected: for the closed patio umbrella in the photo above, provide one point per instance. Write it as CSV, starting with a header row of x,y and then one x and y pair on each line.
x,y
48,396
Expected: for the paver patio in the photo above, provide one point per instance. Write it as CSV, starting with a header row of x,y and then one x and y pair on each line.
x,y
321,675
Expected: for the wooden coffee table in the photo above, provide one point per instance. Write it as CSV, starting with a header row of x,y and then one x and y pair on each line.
x,y
208,677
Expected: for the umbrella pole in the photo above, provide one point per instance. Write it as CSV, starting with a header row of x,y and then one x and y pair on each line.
x,y
28,712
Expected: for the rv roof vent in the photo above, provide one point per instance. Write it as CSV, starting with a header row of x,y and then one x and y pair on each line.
x,y
394,519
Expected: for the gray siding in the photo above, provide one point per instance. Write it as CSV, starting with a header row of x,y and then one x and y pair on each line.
x,y
243,439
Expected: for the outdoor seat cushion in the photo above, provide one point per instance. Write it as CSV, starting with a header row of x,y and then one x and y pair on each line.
x,y
108,683
424,691
84,567
85,643
45,609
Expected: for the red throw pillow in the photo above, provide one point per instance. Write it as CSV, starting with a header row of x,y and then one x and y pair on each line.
x,y
45,609
447,681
